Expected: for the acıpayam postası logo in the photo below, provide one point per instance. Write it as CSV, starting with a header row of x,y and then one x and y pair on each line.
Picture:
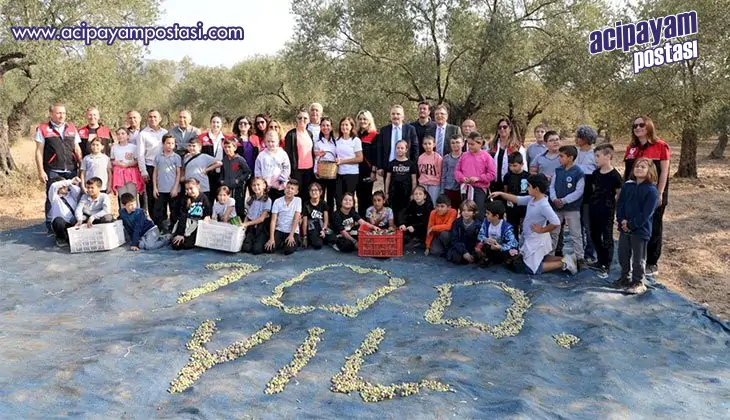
x,y
651,31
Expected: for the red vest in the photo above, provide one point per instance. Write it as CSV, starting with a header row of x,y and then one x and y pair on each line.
x,y
101,132
208,143
58,148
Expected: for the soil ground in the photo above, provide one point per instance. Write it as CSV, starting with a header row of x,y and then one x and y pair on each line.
x,y
695,260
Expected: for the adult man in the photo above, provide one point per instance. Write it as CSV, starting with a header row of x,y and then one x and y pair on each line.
x,y
149,146
467,127
183,132
133,126
390,134
443,131
315,117
423,124
93,129
57,151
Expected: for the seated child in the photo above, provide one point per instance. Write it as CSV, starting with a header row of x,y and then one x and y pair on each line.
x,y
284,226
346,222
540,220
258,208
464,234
315,221
142,232
497,240
515,183
95,206
224,207
415,218
64,194
194,208
438,232
379,215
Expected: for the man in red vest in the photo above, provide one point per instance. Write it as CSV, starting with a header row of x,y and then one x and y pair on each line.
x,y
57,152
94,129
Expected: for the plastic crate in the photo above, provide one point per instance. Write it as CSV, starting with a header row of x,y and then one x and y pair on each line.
x,y
101,237
219,236
381,246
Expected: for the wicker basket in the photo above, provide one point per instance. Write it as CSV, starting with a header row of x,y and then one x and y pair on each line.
x,y
327,169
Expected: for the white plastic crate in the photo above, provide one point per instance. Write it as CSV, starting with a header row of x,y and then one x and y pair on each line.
x,y
101,237
220,236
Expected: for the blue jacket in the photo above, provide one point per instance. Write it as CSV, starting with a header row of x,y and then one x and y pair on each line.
x,y
566,183
636,204
136,224
464,239
509,241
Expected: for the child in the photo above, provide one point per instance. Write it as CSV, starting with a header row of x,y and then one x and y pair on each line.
x,y
224,207
272,164
439,227
196,165
566,194
285,214
96,164
415,218
258,208
315,220
64,194
194,207
534,256
400,179
547,162
234,174
538,147
142,233
95,206
166,183
637,202
126,177
602,207
497,240
475,171
585,137
449,186
515,183
345,222
464,235
379,215
429,168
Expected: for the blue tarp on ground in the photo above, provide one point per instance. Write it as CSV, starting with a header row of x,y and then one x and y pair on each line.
x,y
101,335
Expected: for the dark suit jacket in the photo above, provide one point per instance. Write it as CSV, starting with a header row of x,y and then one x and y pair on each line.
x,y
451,130
408,133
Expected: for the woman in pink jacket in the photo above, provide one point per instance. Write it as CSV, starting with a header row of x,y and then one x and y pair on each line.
x,y
475,171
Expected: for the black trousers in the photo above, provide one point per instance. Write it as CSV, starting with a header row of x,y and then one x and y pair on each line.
x,y
187,243
256,237
51,175
345,184
345,245
305,178
364,193
273,194
280,243
59,226
515,215
601,228
329,192
654,247
163,203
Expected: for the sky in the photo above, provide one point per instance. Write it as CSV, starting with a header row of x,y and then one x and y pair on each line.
x,y
267,26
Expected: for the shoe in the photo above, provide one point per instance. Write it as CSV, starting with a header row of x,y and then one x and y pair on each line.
x,y
595,265
591,260
636,288
602,274
570,263
652,270
336,248
582,265
621,283
61,243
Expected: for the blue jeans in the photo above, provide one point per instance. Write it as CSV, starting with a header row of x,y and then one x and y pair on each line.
x,y
51,175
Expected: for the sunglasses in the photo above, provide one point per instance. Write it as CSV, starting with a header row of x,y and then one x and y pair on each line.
x,y
503,127
639,125
261,122
302,118
243,123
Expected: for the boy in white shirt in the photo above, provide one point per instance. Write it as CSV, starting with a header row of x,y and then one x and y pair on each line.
x,y
285,217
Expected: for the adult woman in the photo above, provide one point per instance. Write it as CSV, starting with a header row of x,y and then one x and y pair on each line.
x,y
349,156
368,173
646,144
260,127
299,146
212,141
276,126
325,149
246,147
505,142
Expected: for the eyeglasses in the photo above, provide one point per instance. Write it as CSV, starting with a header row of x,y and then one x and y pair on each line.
x,y
639,125
503,127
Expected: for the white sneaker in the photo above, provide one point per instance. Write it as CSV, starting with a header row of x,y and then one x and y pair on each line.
x,y
636,288
571,263
335,247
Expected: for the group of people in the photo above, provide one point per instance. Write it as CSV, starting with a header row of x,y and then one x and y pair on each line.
x,y
454,193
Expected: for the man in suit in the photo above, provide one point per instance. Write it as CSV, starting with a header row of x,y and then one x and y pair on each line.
x,y
392,133
443,130
467,127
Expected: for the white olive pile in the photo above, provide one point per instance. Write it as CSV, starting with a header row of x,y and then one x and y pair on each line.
x,y
566,340
304,353
242,270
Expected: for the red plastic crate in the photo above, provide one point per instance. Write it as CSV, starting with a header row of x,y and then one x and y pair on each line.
x,y
382,246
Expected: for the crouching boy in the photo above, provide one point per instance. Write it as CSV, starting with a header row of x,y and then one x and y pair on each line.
x,y
142,232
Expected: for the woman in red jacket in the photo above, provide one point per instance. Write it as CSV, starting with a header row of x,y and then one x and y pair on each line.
x,y
368,174
212,141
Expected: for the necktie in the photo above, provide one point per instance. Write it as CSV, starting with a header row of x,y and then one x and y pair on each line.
x,y
397,134
440,141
